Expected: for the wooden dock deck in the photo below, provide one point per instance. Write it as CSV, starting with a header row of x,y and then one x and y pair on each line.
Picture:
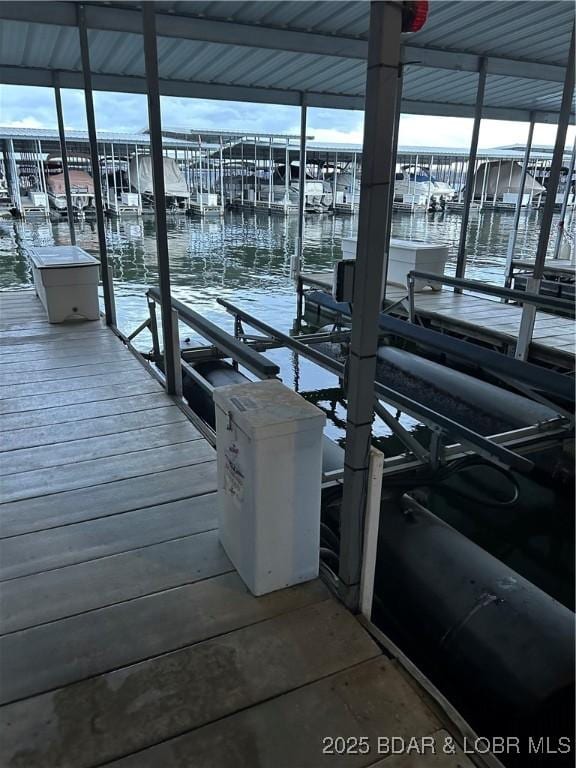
x,y
127,637
479,317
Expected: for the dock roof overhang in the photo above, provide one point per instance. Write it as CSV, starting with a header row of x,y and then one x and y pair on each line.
x,y
294,52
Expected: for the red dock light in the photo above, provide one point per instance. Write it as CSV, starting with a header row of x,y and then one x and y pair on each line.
x,y
414,15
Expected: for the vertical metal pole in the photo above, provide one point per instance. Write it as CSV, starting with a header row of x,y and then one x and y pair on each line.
x,y
495,193
200,187
287,179
519,199
565,199
526,330
470,177
242,172
335,181
379,127
221,177
353,183
137,165
64,157
112,157
556,166
297,265
43,186
393,161
155,128
87,75
270,177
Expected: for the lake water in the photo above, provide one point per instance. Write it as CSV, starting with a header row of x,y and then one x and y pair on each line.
x,y
246,258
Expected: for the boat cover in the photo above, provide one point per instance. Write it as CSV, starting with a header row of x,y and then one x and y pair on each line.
x,y
503,176
80,183
174,182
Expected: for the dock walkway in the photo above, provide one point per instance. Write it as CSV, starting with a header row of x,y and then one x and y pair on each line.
x,y
477,317
127,637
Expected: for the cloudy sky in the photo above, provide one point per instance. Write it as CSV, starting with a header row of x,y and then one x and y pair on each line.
x,y
28,107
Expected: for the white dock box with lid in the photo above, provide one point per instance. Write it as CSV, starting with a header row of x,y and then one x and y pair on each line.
x,y
405,256
66,281
269,442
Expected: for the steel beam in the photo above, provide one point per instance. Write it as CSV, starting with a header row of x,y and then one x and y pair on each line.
x,y
560,225
382,78
107,286
556,165
514,232
11,75
170,25
297,266
470,175
155,130
64,156
526,330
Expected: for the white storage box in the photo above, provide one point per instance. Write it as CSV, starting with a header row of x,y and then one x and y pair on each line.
x,y
208,198
66,281
314,189
406,255
269,442
130,198
512,197
38,199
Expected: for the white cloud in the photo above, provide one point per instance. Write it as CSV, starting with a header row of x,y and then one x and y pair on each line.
x,y
26,122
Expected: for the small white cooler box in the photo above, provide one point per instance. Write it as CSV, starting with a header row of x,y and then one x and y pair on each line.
x,y
405,256
269,442
66,282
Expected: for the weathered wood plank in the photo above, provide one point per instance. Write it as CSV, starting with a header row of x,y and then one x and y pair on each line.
x,y
43,512
87,474
125,363
126,375
109,638
42,334
288,731
28,403
88,428
50,350
76,543
45,597
89,448
158,699
43,418
66,362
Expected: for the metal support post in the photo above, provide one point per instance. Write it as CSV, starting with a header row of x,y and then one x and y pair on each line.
x,y
470,177
155,128
529,310
297,262
13,179
221,177
519,199
393,171
287,179
556,166
370,553
379,129
87,75
64,157
335,181
270,180
560,233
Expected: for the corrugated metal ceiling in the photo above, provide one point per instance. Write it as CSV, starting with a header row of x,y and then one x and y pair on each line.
x,y
536,32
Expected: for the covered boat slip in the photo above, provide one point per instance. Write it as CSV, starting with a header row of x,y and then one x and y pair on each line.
x,y
128,638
